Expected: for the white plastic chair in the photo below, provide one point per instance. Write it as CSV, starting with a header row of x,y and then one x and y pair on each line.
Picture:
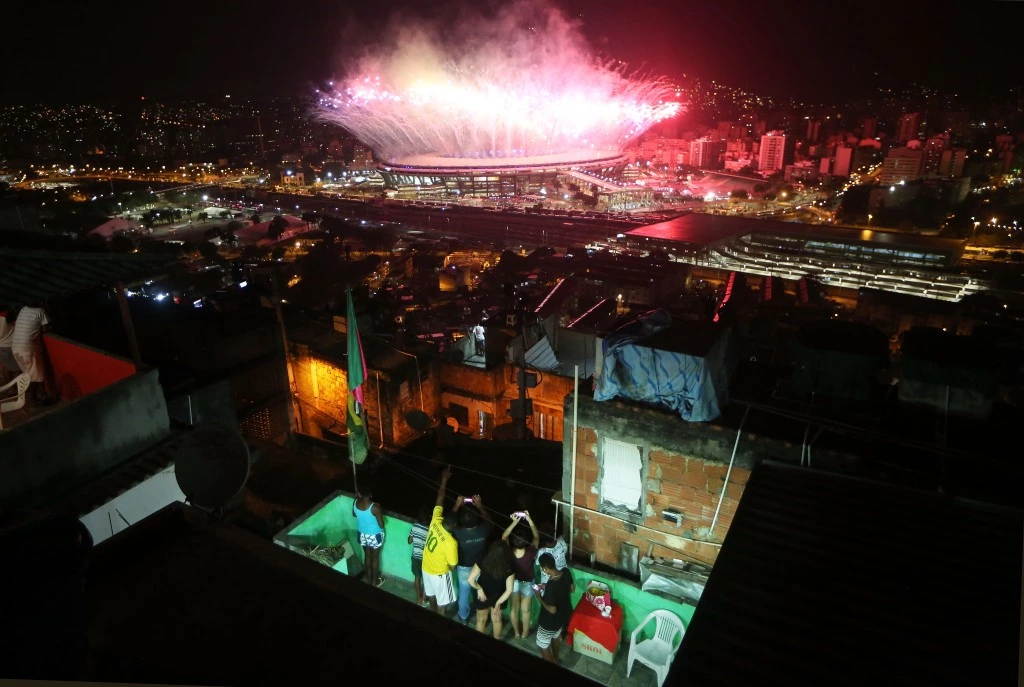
x,y
658,652
17,401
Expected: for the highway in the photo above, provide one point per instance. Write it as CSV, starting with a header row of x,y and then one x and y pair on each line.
x,y
491,225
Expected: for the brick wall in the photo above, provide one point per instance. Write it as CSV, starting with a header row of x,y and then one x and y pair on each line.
x,y
683,469
321,388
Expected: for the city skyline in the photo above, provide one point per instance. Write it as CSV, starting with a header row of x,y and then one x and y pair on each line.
x,y
818,53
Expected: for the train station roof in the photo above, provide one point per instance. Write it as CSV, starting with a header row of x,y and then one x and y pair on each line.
x,y
704,229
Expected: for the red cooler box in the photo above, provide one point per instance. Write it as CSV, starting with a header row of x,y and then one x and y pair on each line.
x,y
594,635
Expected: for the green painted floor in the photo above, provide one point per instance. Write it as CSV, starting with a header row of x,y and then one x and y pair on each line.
x,y
612,675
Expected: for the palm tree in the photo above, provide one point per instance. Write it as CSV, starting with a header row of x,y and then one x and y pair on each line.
x,y
277,227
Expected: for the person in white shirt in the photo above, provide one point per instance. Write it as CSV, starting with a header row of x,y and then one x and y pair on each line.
x,y
555,545
8,365
27,346
478,338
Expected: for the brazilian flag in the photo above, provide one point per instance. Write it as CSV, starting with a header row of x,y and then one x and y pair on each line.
x,y
354,420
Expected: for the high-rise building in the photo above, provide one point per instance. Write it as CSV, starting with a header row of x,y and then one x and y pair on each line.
x,y
901,164
775,153
813,130
908,128
869,127
864,156
362,156
932,158
707,153
958,124
842,161
666,151
952,162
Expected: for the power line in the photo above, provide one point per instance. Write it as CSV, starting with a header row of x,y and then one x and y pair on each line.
x,y
478,472
435,486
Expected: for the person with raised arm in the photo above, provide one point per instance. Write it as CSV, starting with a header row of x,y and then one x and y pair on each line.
x,y
440,552
472,534
524,553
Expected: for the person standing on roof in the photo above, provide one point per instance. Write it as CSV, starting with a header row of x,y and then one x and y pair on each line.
x,y
478,338
524,554
370,523
440,553
472,535
27,346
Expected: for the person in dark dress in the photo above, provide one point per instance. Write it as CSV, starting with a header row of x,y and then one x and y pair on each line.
x,y
555,607
493,581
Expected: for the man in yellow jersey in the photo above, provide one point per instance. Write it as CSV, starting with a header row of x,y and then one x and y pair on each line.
x,y
440,553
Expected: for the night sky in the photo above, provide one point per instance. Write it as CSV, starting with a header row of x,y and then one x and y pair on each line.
x,y
100,51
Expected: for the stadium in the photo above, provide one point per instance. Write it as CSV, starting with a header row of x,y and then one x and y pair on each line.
x,y
511,106
597,174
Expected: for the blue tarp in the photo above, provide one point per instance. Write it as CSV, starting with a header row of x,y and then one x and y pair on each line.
x,y
695,387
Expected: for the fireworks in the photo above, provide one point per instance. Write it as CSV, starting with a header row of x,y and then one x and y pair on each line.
x,y
519,85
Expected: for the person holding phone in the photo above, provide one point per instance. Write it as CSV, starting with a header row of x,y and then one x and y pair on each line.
x,y
472,535
493,581
524,553
555,607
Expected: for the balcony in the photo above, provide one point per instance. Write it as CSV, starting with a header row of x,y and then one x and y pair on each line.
x,y
331,522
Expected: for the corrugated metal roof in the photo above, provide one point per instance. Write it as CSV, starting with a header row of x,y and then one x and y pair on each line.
x,y
25,275
556,297
825,579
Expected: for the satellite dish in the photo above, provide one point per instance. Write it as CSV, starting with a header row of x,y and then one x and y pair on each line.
x,y
417,419
453,423
211,465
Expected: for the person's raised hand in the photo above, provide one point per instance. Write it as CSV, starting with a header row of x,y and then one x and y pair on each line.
x,y
446,475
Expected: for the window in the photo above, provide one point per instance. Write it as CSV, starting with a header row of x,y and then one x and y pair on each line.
x,y
460,413
621,483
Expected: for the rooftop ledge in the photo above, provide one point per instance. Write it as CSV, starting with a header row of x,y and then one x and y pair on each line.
x,y
330,523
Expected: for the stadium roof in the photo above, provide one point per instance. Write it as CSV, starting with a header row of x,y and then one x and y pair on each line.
x,y
827,579
27,275
706,229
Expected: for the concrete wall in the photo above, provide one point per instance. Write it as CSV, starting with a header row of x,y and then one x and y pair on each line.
x,y
70,444
683,469
491,391
79,370
140,501
331,522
